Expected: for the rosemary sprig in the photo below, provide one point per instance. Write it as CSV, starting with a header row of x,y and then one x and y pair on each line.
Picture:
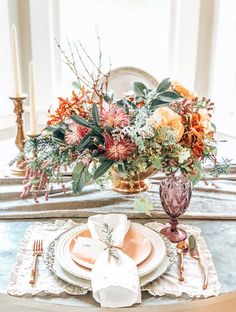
x,y
109,241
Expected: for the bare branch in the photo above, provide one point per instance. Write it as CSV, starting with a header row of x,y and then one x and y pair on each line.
x,y
68,62
82,61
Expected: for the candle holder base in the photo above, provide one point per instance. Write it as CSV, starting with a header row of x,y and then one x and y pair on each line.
x,y
19,169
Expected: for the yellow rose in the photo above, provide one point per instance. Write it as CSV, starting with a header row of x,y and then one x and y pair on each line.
x,y
181,90
165,116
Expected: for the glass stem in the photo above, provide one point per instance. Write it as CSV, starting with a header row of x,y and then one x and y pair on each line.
x,y
173,223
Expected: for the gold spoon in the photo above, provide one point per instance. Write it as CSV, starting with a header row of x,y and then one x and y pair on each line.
x,y
182,248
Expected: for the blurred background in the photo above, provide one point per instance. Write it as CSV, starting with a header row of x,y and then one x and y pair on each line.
x,y
193,42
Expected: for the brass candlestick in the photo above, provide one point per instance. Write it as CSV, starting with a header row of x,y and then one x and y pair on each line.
x,y
19,168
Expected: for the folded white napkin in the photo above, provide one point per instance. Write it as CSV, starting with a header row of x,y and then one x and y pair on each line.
x,y
115,279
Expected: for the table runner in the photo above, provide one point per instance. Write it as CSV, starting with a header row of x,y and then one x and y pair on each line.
x,y
48,283
208,202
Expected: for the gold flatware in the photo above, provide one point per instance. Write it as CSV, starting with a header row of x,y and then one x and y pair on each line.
x,y
182,248
37,252
194,253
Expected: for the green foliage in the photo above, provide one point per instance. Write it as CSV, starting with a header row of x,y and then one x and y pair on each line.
x,y
157,162
95,114
168,96
83,122
195,178
105,165
163,85
139,88
109,96
80,177
80,121
222,167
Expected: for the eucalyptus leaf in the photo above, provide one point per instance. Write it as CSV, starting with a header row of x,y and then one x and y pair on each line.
x,y
80,177
138,88
163,85
105,165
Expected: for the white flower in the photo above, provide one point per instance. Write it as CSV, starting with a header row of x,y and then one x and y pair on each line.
x,y
183,155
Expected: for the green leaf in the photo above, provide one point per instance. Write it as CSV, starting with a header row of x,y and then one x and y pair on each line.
x,y
120,103
81,121
109,96
157,103
121,169
129,103
168,96
163,85
58,134
95,114
138,88
109,129
80,177
196,177
105,165
157,162
76,84
83,144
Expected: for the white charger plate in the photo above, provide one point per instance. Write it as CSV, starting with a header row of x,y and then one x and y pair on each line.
x,y
86,284
155,258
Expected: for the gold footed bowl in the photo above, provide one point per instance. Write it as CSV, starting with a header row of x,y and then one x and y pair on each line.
x,y
138,183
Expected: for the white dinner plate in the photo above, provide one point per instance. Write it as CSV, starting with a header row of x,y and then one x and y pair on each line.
x,y
155,258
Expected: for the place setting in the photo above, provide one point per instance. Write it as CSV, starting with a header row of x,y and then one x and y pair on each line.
x,y
114,259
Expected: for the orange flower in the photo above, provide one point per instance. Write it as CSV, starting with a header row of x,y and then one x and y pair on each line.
x,y
165,116
74,106
184,92
199,126
205,120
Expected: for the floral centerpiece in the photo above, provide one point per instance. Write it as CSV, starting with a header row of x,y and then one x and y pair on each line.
x,y
168,129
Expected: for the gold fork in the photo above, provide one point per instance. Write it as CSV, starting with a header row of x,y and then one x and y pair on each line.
x,y
37,252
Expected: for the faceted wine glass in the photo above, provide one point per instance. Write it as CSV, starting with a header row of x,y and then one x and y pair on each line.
x,y
175,195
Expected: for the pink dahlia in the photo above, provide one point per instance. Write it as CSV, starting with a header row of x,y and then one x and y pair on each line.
x,y
114,117
118,150
76,133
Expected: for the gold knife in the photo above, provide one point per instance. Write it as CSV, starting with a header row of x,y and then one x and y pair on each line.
x,y
194,253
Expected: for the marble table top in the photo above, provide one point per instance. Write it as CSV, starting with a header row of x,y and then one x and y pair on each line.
x,y
219,235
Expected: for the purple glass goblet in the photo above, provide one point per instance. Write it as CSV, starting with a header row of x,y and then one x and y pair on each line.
x,y
175,195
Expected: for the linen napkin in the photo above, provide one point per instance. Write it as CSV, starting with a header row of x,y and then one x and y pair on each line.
x,y
115,279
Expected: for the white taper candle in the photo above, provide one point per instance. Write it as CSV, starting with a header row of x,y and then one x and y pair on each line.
x,y
15,63
33,119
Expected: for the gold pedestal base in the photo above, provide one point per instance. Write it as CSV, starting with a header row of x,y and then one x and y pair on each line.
x,y
19,169
130,187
